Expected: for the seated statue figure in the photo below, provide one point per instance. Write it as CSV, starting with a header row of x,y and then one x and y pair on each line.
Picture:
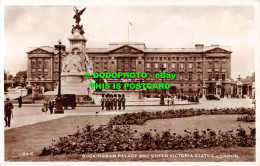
x,y
72,64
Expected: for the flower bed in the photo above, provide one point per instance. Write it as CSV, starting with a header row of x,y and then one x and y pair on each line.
x,y
122,138
247,118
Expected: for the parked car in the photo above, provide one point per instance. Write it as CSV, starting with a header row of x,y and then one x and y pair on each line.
x,y
212,97
69,100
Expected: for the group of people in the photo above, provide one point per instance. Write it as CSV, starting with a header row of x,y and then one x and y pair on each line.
x,y
48,105
110,101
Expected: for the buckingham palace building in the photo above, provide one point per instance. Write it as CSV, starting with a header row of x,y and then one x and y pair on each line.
x,y
201,69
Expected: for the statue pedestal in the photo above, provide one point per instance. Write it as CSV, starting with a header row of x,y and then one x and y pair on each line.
x,y
75,83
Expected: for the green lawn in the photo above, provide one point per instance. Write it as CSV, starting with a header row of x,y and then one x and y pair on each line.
x,y
33,138
202,122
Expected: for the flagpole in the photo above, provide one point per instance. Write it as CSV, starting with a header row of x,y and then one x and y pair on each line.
x,y
128,32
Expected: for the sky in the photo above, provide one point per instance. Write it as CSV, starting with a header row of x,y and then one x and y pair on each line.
x,y
156,26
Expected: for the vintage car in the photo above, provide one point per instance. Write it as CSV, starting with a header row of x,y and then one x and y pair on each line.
x,y
69,100
212,97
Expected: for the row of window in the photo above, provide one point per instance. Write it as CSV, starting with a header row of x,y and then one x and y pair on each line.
x,y
173,65
168,58
217,76
216,65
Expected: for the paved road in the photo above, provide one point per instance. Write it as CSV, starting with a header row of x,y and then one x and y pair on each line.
x,y
30,115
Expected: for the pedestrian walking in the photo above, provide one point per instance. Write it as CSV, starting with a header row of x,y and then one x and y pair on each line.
x,y
123,101
20,101
103,101
168,101
45,106
8,112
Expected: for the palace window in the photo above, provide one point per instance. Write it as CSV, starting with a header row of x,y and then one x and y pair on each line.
x,y
139,62
46,64
148,65
181,77
190,76
33,64
97,65
210,65
173,65
165,65
156,65
216,65
40,64
190,65
199,65
223,65
210,76
217,77
223,76
198,76
182,65
105,65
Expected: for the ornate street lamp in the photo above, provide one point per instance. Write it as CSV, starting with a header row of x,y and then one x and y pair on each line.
x,y
162,97
59,109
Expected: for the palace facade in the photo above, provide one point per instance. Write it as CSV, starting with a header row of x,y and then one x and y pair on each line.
x,y
205,69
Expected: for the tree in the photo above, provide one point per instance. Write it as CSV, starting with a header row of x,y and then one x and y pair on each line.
x,y
21,74
5,75
253,77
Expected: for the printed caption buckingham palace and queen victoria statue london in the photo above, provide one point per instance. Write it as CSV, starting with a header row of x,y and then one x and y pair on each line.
x,y
78,100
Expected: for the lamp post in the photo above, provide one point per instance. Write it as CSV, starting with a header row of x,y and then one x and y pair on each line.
x,y
59,109
162,97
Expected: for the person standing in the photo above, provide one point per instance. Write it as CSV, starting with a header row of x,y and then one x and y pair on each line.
x,y
123,101
45,105
107,102
20,101
172,100
51,105
111,102
168,101
102,101
115,101
8,112
119,102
